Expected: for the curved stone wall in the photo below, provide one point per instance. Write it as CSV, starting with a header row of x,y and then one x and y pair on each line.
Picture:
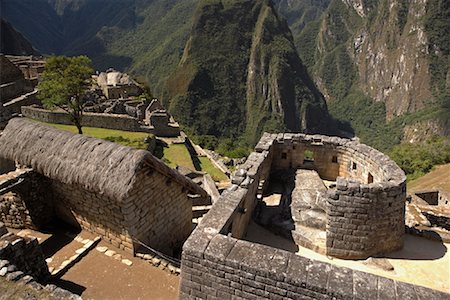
x,y
216,263
366,210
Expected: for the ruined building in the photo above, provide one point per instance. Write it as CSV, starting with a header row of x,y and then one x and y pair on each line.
x,y
359,214
126,196
15,90
117,85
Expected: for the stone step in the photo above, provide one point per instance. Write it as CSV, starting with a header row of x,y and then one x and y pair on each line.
x,y
199,211
198,200
310,238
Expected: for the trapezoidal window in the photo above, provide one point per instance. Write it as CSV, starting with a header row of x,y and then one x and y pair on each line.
x,y
284,155
334,160
308,157
370,178
354,166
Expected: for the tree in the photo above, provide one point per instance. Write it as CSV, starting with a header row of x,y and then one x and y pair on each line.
x,y
64,83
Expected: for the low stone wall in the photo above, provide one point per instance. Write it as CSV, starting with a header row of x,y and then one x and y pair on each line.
x,y
22,262
29,203
215,266
109,121
25,254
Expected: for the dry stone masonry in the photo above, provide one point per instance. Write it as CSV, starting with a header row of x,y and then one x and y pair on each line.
x,y
127,196
217,264
22,263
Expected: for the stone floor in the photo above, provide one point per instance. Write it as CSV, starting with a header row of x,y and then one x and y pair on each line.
x,y
421,261
292,207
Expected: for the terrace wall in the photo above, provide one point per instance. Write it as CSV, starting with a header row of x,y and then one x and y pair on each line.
x,y
100,120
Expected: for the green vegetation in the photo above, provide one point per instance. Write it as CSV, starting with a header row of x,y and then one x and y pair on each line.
x,y
126,138
178,155
64,83
402,13
213,94
174,154
437,26
205,165
418,159
367,119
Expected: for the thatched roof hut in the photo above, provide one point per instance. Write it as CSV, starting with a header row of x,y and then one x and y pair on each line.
x,y
97,165
127,196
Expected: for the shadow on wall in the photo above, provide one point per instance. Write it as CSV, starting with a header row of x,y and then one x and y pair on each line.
x,y
272,222
58,229
419,248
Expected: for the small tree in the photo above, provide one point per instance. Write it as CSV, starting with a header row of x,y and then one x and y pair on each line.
x,y
64,82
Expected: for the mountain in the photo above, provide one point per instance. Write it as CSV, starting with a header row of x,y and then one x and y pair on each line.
x,y
240,74
13,42
143,37
382,65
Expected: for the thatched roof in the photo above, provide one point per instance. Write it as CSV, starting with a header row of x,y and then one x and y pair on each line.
x,y
96,165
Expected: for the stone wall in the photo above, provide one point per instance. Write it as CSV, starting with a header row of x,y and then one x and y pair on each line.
x,y
29,204
27,99
110,121
23,265
25,254
92,212
366,213
217,265
14,89
159,213
6,165
365,220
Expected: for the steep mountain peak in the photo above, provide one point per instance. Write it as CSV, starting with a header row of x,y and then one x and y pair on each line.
x,y
240,74
13,42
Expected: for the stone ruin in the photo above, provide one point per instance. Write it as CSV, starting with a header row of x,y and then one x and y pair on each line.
x,y
15,89
117,85
23,262
126,196
427,214
350,194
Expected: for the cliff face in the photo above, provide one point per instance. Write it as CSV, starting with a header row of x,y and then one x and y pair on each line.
x,y
392,57
386,46
13,42
240,74
393,53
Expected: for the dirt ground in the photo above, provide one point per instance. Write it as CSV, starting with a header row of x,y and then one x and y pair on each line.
x,y
422,262
98,276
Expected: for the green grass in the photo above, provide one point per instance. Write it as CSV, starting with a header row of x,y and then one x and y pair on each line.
x,y
126,138
177,155
208,167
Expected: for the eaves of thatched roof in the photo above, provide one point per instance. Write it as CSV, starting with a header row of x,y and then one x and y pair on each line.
x,y
95,165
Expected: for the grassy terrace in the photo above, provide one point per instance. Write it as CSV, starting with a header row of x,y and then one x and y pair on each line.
x,y
172,154
178,155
